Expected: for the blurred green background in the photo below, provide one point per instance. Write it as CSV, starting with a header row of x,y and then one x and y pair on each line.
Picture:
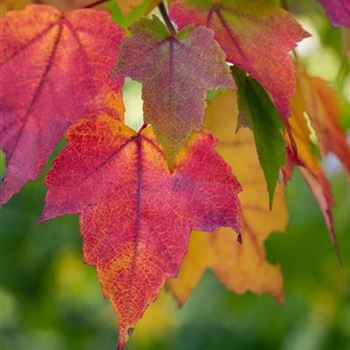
x,y
51,301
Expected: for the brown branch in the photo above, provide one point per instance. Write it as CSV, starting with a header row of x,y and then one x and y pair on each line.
x,y
166,18
284,4
96,3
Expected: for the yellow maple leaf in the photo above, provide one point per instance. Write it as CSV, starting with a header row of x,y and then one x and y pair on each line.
x,y
315,121
322,106
156,321
241,267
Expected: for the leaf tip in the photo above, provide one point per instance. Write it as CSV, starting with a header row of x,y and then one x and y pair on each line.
x,y
120,346
280,298
42,218
126,334
336,248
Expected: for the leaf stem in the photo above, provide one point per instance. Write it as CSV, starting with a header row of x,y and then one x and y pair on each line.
x,y
95,3
166,18
284,4
144,126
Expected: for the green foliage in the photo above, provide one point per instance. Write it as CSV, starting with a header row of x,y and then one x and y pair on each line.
x,y
256,105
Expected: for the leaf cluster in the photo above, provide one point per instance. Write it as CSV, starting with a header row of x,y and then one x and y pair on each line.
x,y
197,164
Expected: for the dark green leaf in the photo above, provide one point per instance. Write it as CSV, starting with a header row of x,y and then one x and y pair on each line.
x,y
256,106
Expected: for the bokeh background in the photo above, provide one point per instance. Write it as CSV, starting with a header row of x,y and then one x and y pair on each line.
x,y
51,301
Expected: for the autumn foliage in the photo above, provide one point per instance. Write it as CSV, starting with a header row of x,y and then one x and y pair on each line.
x,y
216,164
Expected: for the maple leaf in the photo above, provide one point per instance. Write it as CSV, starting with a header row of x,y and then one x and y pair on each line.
x,y
322,106
308,162
176,71
135,215
255,35
239,267
54,68
338,12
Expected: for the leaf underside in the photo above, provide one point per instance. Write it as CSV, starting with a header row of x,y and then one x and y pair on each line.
x,y
176,71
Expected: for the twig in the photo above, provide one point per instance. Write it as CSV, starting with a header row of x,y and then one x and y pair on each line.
x,y
166,18
95,4
284,4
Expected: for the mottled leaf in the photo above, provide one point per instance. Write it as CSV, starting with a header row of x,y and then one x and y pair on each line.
x,y
240,267
255,35
176,71
267,127
135,215
54,69
338,12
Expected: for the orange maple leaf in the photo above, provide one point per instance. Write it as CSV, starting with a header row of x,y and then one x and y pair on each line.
x,y
315,108
323,109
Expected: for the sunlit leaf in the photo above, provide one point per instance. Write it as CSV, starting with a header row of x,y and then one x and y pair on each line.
x,y
323,108
241,267
135,215
301,153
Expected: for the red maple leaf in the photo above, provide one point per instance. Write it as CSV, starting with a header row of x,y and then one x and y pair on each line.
x,y
54,68
255,35
135,215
